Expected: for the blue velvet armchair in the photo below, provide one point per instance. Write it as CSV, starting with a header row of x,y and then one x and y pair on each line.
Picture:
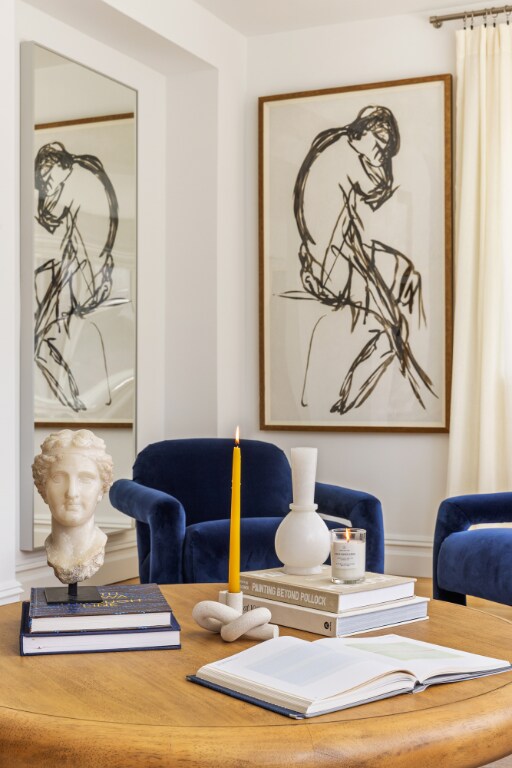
x,y
473,562
180,498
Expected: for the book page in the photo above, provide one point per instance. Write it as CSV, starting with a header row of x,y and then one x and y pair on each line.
x,y
424,660
302,669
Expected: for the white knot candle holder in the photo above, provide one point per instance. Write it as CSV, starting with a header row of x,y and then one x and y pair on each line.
x,y
231,623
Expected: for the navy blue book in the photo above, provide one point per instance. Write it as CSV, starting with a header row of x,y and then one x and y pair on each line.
x,y
96,641
123,607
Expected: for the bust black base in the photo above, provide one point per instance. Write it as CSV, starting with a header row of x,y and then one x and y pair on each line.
x,y
73,594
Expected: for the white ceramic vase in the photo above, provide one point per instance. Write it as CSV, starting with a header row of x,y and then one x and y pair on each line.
x,y
302,540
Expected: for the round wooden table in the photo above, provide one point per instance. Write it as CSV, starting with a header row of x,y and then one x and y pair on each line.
x,y
118,710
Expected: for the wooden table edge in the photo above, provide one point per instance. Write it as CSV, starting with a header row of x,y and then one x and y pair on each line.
x,y
462,734
456,734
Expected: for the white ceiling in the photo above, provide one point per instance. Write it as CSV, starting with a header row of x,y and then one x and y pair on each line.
x,y
261,17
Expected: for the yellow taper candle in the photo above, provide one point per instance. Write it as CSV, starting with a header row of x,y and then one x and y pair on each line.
x,y
234,530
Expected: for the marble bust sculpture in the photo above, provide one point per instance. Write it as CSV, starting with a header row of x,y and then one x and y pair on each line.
x,y
72,473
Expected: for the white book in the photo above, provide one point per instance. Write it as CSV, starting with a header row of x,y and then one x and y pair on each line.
x,y
342,624
302,679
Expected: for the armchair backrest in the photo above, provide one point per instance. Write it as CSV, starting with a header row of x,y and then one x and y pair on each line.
x,y
197,471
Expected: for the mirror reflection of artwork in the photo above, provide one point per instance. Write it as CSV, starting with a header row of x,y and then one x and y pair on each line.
x,y
79,280
78,241
84,315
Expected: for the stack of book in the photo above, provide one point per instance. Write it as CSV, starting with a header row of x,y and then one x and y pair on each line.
x,y
314,603
131,617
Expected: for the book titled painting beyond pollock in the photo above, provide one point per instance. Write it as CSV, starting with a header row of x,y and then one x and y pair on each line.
x,y
318,591
124,607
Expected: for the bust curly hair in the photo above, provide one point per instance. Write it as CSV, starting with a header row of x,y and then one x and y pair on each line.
x,y
81,441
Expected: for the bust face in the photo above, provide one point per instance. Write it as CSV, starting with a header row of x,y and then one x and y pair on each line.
x,y
73,489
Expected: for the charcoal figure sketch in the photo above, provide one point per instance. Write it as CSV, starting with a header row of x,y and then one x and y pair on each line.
x,y
78,281
346,176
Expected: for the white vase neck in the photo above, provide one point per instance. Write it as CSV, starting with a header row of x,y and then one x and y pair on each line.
x,y
303,507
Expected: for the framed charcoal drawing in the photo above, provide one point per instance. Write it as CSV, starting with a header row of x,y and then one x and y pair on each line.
x,y
355,257
84,272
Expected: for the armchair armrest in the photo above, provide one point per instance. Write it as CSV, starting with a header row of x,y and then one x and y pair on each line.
x,y
344,506
459,513
160,529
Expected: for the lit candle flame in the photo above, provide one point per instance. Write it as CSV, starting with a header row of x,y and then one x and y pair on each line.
x,y
237,435
347,534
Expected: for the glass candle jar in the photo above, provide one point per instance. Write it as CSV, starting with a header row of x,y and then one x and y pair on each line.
x,y
348,555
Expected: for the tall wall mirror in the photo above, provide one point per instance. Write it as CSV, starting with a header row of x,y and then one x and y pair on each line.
x,y
78,268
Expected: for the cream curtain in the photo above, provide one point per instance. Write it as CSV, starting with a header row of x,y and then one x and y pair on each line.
x,y
480,444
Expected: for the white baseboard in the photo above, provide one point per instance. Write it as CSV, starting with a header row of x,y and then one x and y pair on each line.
x,y
408,555
121,562
10,592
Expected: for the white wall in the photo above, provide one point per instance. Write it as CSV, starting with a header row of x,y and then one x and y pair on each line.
x,y
406,471
9,307
201,376
192,268
189,70
205,360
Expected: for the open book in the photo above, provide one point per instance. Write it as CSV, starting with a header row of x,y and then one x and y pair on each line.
x,y
300,678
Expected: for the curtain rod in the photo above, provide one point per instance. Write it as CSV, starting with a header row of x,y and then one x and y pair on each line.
x,y
437,21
